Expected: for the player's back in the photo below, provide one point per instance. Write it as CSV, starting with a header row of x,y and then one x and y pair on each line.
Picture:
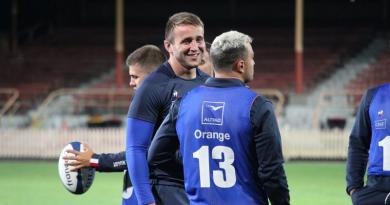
x,y
217,144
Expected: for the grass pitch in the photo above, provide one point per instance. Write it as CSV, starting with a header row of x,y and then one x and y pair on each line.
x,y
38,183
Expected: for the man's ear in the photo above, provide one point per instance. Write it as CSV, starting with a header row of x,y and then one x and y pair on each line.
x,y
238,66
168,46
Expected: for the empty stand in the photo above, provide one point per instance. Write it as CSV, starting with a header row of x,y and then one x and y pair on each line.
x,y
375,74
324,50
67,58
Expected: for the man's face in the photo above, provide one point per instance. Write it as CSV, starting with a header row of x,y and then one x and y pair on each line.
x,y
187,45
206,65
137,75
249,65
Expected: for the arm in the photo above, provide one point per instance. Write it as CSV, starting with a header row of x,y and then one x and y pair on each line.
x,y
359,144
269,152
144,112
138,137
111,162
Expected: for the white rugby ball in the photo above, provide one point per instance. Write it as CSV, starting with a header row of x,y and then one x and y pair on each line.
x,y
77,182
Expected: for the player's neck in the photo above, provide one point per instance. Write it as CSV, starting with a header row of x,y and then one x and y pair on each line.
x,y
228,75
181,71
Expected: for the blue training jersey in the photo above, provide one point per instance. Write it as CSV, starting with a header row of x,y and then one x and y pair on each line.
x,y
379,112
217,146
369,142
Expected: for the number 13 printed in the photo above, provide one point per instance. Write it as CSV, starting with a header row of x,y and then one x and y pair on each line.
x,y
217,152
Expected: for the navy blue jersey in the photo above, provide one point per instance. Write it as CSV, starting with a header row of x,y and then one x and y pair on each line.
x,y
369,142
151,103
230,145
158,91
110,162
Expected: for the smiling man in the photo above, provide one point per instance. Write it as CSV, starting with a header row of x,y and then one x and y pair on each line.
x,y
141,63
184,41
228,135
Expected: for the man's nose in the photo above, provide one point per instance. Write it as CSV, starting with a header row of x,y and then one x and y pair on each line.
x,y
132,83
194,45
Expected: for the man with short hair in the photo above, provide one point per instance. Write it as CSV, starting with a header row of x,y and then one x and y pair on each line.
x,y
228,135
141,63
184,41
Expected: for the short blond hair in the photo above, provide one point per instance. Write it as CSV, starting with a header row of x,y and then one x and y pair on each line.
x,y
227,48
181,18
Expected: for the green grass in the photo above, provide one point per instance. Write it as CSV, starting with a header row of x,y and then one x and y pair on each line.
x,y
37,183
319,183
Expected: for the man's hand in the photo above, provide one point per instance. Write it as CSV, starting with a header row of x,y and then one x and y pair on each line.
x,y
79,159
351,192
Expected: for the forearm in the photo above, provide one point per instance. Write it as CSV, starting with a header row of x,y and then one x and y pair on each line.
x,y
277,188
356,165
139,174
359,144
269,155
109,162
137,142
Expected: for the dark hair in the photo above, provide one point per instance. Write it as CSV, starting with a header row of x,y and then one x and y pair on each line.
x,y
181,18
148,56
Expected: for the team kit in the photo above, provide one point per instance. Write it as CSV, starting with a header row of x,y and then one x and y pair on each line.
x,y
198,136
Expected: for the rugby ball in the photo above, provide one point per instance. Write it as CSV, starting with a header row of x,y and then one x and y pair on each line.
x,y
76,182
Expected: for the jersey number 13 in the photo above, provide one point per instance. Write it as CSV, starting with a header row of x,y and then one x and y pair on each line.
x,y
203,155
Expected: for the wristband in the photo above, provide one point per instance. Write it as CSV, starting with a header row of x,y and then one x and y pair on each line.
x,y
94,161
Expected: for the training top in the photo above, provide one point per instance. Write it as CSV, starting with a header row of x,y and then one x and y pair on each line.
x,y
147,110
230,145
369,141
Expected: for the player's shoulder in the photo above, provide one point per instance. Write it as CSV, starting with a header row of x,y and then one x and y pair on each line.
x,y
379,87
202,75
371,92
161,75
261,102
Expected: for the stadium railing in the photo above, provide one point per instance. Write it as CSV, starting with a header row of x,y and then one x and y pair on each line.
x,y
10,96
72,103
275,96
48,143
335,105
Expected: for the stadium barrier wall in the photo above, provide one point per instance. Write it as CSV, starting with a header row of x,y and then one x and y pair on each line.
x,y
11,95
47,144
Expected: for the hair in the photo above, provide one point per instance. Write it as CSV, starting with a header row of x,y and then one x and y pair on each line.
x,y
181,18
148,56
227,48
